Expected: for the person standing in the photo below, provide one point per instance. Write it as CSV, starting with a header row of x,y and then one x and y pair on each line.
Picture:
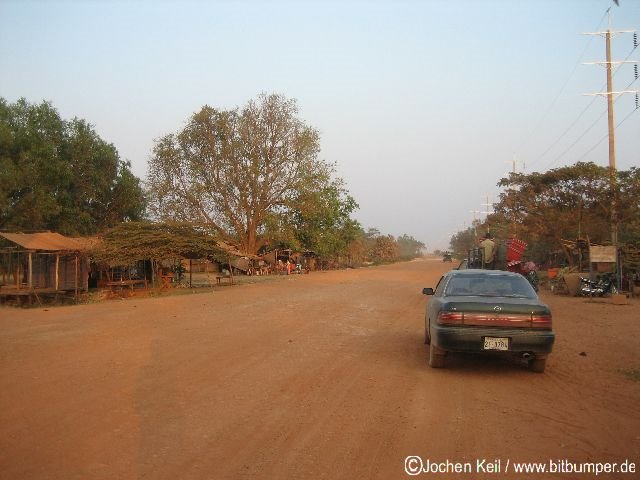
x,y
500,255
488,251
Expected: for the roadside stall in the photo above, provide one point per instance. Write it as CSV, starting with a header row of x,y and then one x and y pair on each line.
x,y
41,265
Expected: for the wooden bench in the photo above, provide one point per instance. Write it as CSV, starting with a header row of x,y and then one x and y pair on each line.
x,y
124,284
28,296
219,279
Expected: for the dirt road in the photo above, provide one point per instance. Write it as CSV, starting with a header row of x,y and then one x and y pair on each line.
x,y
320,376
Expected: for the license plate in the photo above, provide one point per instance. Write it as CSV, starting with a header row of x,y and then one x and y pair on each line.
x,y
496,343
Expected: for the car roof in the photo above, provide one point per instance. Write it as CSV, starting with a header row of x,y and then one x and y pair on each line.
x,y
477,271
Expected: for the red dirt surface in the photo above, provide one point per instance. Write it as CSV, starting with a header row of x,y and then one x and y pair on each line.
x,y
320,376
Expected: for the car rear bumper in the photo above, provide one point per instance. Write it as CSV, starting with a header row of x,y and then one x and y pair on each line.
x,y
471,339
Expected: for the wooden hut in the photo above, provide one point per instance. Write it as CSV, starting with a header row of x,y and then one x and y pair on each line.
x,y
41,264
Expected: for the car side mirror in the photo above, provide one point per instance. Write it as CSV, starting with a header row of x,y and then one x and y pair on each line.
x,y
427,291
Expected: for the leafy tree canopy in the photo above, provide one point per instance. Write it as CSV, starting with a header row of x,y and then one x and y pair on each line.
x,y
409,247
60,175
321,219
463,241
243,171
569,202
384,249
564,203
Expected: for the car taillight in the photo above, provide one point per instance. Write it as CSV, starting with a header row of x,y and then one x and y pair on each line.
x,y
450,317
541,321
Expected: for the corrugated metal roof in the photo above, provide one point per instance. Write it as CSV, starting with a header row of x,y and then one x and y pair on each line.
x,y
47,241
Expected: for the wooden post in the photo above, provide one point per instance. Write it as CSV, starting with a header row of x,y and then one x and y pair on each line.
x,y
76,279
230,269
30,279
16,277
57,271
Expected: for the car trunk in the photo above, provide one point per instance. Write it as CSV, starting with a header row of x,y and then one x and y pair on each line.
x,y
496,312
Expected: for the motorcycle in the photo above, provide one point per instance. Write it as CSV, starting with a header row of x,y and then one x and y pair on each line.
x,y
603,286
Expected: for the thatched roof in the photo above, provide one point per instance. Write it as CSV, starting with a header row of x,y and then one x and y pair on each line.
x,y
45,241
132,241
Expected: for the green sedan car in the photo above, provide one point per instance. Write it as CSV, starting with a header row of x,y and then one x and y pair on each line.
x,y
481,311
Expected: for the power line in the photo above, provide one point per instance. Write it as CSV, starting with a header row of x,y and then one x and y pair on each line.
x,y
604,137
625,118
635,46
587,131
577,140
563,134
550,108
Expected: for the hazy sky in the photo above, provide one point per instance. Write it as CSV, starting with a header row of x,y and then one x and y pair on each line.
x,y
423,105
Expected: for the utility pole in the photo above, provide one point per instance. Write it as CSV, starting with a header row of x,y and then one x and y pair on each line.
x,y
612,151
487,213
609,94
612,143
514,165
487,205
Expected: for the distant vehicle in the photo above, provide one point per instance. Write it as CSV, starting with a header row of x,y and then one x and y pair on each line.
x,y
482,311
446,257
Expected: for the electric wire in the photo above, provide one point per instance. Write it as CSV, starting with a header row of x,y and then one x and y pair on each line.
x,y
564,133
576,140
601,115
568,129
605,136
552,163
550,108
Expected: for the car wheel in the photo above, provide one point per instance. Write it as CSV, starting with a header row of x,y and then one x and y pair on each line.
x,y
538,365
436,357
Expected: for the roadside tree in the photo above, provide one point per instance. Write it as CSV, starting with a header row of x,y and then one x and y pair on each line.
x,y
244,172
322,220
385,249
60,175
409,247
463,241
564,203
570,202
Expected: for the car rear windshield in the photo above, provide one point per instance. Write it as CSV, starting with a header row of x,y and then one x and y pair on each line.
x,y
490,285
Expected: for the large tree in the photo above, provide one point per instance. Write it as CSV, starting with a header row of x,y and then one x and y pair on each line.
x,y
237,170
60,175
568,202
